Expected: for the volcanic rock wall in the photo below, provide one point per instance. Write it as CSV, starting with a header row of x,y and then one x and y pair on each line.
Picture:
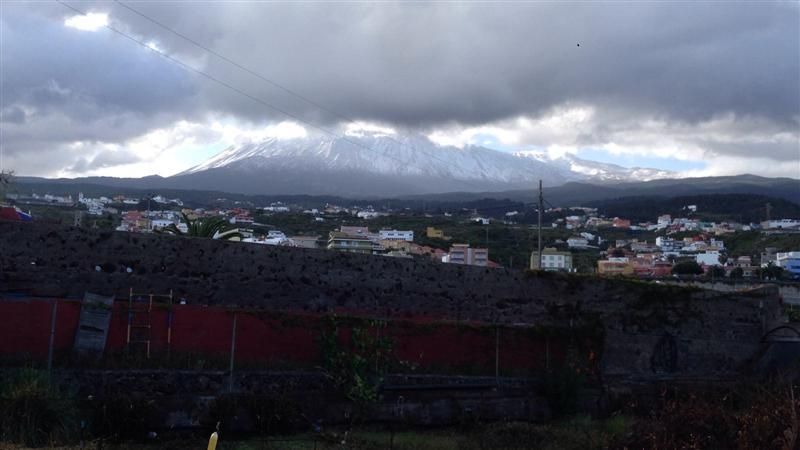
x,y
651,330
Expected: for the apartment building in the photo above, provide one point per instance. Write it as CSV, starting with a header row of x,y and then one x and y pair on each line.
x,y
552,259
463,254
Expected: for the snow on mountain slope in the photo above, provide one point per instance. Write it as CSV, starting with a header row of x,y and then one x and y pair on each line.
x,y
386,155
598,171
382,164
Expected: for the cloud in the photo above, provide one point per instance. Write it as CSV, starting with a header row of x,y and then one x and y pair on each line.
x,y
727,144
688,81
88,22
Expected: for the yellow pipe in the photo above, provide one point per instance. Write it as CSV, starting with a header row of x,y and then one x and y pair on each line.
x,y
212,441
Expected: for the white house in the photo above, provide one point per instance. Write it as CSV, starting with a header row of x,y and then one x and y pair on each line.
x,y
244,219
710,258
396,235
552,259
369,214
276,208
664,221
577,242
780,224
157,224
668,244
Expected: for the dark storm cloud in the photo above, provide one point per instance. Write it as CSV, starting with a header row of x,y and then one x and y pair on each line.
x,y
61,86
103,160
427,64
14,114
410,65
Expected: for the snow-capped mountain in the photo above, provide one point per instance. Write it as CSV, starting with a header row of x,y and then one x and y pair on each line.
x,y
599,171
380,164
386,155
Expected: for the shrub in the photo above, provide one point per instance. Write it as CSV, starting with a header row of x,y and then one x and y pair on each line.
x,y
357,366
578,433
122,415
748,417
687,268
561,388
737,273
274,413
33,412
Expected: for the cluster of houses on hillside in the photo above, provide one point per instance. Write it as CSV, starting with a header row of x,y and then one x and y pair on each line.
x,y
634,257
136,221
668,224
355,239
400,243
34,199
95,206
645,260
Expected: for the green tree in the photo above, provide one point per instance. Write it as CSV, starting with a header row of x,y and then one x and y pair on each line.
x,y
737,273
771,272
687,268
211,227
617,253
715,272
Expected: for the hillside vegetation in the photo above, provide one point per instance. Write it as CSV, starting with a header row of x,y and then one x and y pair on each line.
x,y
745,208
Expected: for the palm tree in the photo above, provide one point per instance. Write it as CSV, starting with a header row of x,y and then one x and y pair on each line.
x,y
212,227
6,179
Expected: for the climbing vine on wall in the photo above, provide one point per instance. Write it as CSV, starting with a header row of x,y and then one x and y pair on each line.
x,y
356,366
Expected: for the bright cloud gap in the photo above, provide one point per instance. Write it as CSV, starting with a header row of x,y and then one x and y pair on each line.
x,y
88,22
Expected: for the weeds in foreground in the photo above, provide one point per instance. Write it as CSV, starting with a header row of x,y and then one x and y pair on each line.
x,y
34,412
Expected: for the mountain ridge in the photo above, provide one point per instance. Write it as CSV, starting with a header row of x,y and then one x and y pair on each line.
x,y
378,166
402,164
568,194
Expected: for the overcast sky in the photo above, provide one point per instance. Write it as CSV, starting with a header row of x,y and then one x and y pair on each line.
x,y
705,88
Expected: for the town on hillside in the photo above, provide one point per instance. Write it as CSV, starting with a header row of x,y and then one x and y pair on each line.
x,y
575,239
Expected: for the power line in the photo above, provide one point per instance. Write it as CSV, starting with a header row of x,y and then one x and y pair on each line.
x,y
235,89
273,83
232,62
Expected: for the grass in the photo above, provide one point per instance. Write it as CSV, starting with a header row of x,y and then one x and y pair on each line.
x,y
580,432
33,411
362,440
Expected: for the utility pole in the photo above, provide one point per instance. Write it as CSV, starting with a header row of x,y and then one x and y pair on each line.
x,y
541,206
769,207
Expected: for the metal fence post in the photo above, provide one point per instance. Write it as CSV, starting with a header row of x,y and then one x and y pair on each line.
x,y
547,352
233,354
53,314
497,354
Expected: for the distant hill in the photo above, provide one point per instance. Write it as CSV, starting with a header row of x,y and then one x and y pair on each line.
x,y
569,194
575,194
744,208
